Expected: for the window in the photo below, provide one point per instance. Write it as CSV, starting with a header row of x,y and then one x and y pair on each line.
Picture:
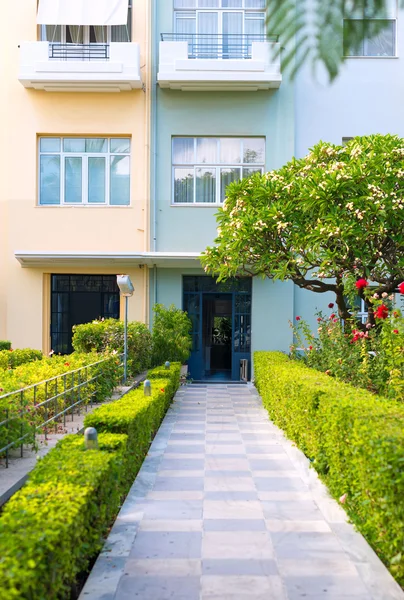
x,y
77,171
237,23
371,33
98,34
203,167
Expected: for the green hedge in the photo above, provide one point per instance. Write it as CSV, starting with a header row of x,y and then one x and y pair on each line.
x,y
137,415
55,524
14,358
5,345
355,440
52,528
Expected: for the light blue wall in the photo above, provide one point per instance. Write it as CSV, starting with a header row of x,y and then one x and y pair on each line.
x,y
272,308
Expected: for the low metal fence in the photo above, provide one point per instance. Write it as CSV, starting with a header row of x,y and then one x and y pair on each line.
x,y
78,51
224,46
34,409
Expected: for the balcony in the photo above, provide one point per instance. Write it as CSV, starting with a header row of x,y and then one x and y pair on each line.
x,y
229,62
56,67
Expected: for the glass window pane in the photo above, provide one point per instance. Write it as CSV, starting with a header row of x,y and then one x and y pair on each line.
x,y
208,3
98,34
74,34
206,185
232,3
208,27
96,180
50,144
353,37
254,24
123,33
51,33
183,151
120,180
254,150
184,3
96,145
230,150
73,180
183,186
382,43
232,25
49,185
255,3
74,145
120,145
226,177
247,171
206,150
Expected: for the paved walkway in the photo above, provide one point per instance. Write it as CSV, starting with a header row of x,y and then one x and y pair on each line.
x,y
225,508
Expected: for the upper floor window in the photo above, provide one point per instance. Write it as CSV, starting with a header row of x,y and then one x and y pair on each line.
x,y
371,33
86,34
232,22
77,171
203,167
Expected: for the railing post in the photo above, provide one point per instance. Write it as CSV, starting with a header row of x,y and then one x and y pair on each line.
x,y
46,410
22,422
64,400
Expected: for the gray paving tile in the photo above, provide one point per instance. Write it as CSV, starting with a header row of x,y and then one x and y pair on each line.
x,y
305,510
327,586
243,545
176,567
246,587
167,545
180,484
178,464
231,495
271,464
228,566
219,472
304,545
279,484
234,525
152,587
172,509
186,449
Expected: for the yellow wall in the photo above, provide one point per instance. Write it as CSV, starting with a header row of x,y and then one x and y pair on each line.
x,y
24,226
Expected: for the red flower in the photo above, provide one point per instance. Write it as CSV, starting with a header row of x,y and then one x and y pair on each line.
x,y
10,350
331,305
396,314
361,283
382,312
297,318
162,390
319,320
332,316
401,288
335,320
310,347
67,364
395,330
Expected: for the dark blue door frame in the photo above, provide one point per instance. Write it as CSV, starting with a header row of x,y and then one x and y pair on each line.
x,y
194,290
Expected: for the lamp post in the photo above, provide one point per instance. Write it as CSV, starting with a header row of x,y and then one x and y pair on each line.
x,y
126,288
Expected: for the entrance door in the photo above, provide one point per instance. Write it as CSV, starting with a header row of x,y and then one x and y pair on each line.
x,y
78,299
221,326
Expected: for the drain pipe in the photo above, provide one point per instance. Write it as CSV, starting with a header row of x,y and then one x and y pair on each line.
x,y
153,159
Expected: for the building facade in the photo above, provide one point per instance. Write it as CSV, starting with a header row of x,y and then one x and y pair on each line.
x,y
122,128
74,196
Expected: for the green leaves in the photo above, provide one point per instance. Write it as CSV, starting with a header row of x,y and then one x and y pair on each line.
x,y
171,335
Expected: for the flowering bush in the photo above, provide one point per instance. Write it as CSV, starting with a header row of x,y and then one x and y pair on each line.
x,y
372,358
9,359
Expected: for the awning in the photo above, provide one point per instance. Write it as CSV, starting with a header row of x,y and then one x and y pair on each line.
x,y
82,12
38,259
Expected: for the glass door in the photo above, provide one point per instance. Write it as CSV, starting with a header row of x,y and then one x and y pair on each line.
x,y
207,39
232,28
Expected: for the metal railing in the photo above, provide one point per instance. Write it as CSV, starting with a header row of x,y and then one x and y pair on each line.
x,y
31,410
224,46
94,51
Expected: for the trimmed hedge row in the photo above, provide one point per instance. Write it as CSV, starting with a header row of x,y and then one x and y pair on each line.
x,y
355,440
5,345
10,359
137,415
54,526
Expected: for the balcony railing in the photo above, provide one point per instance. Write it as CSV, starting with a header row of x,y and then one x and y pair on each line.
x,y
219,46
94,51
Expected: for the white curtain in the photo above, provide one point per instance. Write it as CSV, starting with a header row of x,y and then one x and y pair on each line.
x,y
207,35
75,33
82,12
232,35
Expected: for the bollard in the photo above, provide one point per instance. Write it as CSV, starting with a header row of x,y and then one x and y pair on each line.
x,y
167,364
91,438
147,388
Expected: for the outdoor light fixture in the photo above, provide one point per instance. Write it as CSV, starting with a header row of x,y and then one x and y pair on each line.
x,y
126,288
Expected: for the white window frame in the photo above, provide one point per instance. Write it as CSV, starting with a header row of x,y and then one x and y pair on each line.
x,y
84,169
219,10
217,167
393,19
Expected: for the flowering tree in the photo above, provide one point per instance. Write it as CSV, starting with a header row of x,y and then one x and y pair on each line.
x,y
326,222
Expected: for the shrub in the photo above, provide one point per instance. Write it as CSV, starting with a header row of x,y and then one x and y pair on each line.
x,y
15,358
55,524
5,345
355,440
137,415
171,335
108,336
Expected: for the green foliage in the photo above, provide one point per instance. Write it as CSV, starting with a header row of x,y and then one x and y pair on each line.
x,y
355,440
108,336
137,415
15,358
171,335
54,525
317,219
25,410
316,33
372,359
5,345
